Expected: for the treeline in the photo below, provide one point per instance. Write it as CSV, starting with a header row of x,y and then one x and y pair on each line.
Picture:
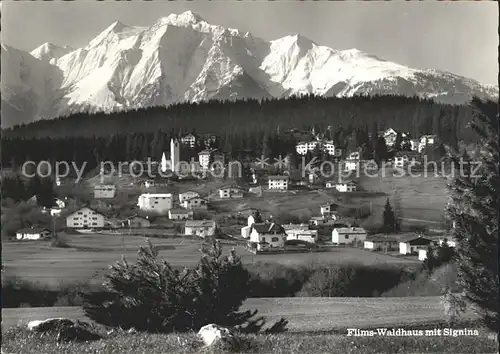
x,y
242,127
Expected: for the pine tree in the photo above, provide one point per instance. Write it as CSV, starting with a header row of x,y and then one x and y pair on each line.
x,y
474,210
398,211
389,221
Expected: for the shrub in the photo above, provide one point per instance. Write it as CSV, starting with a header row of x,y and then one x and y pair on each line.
x,y
152,296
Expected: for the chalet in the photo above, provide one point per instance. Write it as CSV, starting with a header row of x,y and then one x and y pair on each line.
x,y
267,236
412,244
346,187
195,203
278,182
201,228
136,221
328,209
32,233
159,203
380,242
85,218
104,191
180,214
187,195
348,235
310,236
230,192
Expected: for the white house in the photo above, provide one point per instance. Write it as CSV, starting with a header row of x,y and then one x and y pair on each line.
x,y
209,156
32,233
137,222
187,195
195,203
328,209
278,182
351,165
414,144
189,139
104,191
323,220
346,187
180,214
348,235
422,254
85,218
201,228
267,236
330,184
426,140
310,236
303,147
245,231
230,192
413,244
380,242
159,203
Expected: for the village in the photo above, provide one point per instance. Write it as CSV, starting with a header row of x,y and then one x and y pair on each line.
x,y
159,212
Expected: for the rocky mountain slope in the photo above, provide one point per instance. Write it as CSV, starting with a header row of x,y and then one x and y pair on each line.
x,y
184,58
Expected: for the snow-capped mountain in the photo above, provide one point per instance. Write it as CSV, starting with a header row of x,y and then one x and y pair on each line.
x,y
184,58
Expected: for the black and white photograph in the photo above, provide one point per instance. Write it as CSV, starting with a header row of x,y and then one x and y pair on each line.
x,y
250,177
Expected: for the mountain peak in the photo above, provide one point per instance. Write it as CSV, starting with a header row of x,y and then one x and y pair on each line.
x,y
49,51
184,19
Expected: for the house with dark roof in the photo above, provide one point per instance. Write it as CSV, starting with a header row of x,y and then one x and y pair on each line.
x,y
412,244
267,236
380,242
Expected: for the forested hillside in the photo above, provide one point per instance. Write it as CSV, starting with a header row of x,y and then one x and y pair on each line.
x,y
241,125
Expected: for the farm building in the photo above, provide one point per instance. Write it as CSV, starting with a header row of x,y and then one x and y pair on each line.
x,y
85,218
278,182
137,222
180,214
413,244
347,235
159,203
380,242
187,195
230,192
104,191
287,227
201,228
256,190
32,233
347,186
267,235
195,203
310,236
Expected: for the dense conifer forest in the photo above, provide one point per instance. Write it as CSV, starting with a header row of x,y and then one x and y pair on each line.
x,y
244,125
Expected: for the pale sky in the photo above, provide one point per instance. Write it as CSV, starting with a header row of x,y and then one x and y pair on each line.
x,y
460,37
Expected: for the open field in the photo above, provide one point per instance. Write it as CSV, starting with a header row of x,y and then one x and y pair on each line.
x,y
37,261
303,314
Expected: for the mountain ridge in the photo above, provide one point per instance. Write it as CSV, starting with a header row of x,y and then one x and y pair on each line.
x,y
181,57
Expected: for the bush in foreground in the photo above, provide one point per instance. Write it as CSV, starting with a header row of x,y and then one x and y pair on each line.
x,y
152,296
